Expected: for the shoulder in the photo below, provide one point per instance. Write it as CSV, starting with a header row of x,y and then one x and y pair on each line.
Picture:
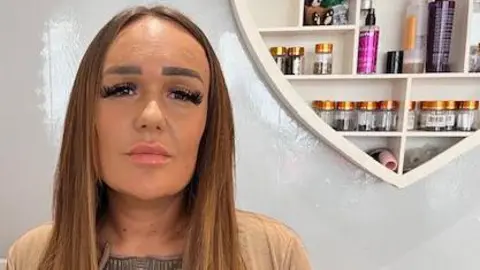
x,y
269,243
27,250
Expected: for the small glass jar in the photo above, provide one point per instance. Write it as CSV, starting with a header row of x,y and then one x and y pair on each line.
x,y
326,110
450,115
432,116
323,59
345,119
280,57
387,116
467,115
366,111
296,58
412,115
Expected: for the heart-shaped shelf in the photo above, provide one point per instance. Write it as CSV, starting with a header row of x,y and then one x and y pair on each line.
x,y
265,23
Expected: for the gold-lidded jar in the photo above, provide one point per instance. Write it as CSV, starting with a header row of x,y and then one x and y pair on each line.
x,y
387,115
450,114
433,115
323,64
325,109
280,56
296,60
467,115
366,113
345,117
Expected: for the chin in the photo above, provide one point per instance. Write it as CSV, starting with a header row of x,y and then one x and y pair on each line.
x,y
148,189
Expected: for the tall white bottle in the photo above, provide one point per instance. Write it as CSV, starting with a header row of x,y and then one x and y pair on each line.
x,y
415,36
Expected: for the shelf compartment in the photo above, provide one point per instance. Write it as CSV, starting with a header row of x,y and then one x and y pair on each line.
x,y
417,150
353,5
284,13
350,90
342,46
367,144
446,88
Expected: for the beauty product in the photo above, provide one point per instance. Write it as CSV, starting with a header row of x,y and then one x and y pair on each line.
x,y
467,115
296,57
387,116
394,62
432,116
345,116
323,59
415,36
368,45
450,115
325,109
412,115
280,57
385,157
366,115
439,36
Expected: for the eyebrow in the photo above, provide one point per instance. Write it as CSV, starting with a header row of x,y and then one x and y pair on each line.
x,y
179,71
124,70
168,70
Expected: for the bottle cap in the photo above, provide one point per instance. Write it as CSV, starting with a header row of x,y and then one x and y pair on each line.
x,y
371,19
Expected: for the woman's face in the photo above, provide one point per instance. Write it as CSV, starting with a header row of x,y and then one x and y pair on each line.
x,y
152,109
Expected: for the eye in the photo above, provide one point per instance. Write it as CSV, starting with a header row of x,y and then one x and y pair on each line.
x,y
186,95
118,90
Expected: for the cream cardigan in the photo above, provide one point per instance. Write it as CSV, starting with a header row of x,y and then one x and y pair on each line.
x,y
266,244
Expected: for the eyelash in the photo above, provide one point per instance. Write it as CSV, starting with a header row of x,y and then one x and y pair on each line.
x,y
179,93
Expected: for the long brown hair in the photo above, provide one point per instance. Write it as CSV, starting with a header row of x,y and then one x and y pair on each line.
x,y
212,239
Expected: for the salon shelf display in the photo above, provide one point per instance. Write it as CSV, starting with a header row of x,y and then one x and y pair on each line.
x,y
350,79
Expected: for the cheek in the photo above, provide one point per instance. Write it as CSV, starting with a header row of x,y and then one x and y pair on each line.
x,y
188,134
112,124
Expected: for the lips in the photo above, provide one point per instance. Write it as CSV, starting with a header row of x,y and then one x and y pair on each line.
x,y
149,154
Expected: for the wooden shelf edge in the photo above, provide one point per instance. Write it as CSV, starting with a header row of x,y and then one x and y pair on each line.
x,y
422,76
439,134
307,29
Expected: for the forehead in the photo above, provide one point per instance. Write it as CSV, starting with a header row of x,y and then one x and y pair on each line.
x,y
154,42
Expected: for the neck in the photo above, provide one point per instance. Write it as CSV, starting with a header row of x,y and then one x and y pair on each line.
x,y
144,228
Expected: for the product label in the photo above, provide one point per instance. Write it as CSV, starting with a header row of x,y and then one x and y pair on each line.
x,y
367,51
297,66
434,120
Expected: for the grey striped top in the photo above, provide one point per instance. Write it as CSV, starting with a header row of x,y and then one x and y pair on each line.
x,y
111,262
135,263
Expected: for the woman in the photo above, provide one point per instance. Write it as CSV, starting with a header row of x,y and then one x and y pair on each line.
x,y
145,174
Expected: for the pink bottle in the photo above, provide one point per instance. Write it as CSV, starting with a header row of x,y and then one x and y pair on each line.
x,y
368,45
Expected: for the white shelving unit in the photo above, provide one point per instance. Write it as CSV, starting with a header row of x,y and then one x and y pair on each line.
x,y
264,24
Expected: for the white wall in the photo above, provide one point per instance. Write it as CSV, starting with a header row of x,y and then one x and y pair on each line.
x,y
348,219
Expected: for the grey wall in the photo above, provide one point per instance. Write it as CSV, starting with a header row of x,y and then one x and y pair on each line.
x,y
348,219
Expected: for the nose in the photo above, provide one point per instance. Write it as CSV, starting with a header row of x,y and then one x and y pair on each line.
x,y
151,118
